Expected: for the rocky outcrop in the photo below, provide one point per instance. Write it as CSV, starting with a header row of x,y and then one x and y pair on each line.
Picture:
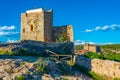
x,y
105,68
28,66
9,68
37,47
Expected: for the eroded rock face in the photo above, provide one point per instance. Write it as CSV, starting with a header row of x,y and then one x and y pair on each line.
x,y
25,66
11,68
28,67
37,47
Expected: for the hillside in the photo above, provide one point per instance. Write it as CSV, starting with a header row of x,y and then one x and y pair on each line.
x,y
113,48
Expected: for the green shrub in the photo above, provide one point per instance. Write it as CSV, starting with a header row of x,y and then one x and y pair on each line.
x,y
20,78
40,65
95,76
92,55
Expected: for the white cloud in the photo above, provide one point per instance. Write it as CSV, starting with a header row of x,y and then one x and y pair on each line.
x,y
7,33
112,27
105,28
11,41
88,30
97,28
7,28
81,42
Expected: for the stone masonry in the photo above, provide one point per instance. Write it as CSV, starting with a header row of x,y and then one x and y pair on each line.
x,y
37,25
105,68
91,48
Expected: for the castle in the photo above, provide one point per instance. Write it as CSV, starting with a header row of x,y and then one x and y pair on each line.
x,y
92,48
37,24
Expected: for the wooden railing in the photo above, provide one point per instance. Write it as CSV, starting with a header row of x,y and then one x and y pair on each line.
x,y
61,56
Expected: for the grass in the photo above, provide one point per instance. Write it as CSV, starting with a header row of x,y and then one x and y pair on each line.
x,y
95,76
20,78
108,56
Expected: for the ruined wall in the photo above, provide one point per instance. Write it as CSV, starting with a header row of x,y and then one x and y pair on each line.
x,y
57,31
102,67
67,29
37,47
86,46
92,48
70,33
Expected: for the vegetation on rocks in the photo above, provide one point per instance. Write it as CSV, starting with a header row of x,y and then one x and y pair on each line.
x,y
112,46
62,37
20,78
78,47
108,56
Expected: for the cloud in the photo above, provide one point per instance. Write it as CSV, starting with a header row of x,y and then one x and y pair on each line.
x,y
81,42
112,27
7,33
11,41
88,30
7,28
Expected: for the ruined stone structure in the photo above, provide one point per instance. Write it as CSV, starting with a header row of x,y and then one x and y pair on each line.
x,y
37,25
92,48
105,68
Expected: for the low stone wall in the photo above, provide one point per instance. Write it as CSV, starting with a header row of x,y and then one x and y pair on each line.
x,y
38,47
102,67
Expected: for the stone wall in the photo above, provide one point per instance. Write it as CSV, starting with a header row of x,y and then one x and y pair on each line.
x,y
102,67
66,29
48,23
92,48
32,26
37,47
57,31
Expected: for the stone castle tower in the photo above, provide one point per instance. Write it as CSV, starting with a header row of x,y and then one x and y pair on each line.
x,y
92,47
37,25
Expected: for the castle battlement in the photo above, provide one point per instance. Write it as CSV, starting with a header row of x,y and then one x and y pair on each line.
x,y
38,10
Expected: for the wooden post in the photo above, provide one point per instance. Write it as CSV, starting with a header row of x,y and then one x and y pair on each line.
x,y
74,58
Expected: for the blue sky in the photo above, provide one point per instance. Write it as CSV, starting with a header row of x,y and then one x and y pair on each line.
x,y
94,21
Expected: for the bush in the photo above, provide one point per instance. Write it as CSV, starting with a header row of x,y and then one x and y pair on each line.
x,y
20,78
92,55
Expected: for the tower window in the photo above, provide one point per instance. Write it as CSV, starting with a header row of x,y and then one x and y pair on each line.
x,y
31,27
23,30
